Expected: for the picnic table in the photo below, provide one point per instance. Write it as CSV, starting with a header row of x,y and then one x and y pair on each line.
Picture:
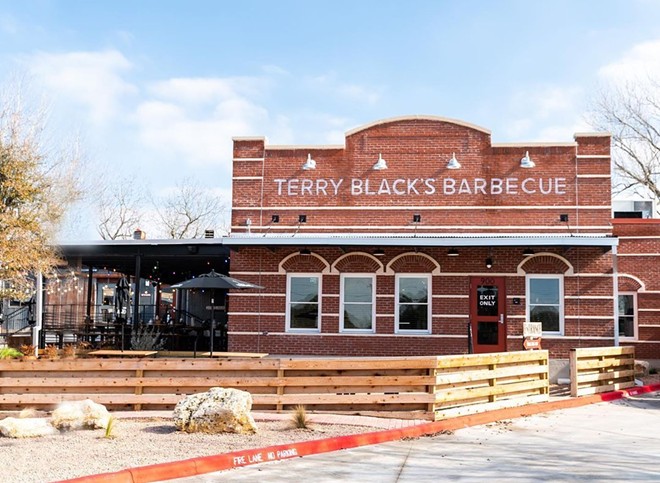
x,y
120,353
251,355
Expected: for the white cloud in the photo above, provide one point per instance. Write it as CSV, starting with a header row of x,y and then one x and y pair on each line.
x,y
194,119
640,63
545,113
330,85
92,80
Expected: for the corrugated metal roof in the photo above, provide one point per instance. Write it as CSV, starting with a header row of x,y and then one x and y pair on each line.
x,y
361,239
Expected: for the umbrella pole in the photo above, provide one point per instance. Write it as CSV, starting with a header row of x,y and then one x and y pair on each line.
x,y
212,322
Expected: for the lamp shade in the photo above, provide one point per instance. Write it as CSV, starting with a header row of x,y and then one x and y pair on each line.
x,y
526,161
453,162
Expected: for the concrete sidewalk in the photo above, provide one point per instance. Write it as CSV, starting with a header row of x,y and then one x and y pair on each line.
x,y
617,441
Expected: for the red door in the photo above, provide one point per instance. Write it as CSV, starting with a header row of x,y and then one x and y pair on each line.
x,y
488,314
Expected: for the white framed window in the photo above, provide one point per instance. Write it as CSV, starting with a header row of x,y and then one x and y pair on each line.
x,y
545,302
628,315
303,306
413,303
357,311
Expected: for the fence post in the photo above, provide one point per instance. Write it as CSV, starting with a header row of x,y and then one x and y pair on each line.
x,y
573,373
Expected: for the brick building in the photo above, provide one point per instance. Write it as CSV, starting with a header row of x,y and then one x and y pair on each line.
x,y
421,236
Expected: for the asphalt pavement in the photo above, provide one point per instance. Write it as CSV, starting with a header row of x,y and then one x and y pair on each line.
x,y
610,441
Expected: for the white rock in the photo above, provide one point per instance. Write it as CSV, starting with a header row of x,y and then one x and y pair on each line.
x,y
641,368
26,427
80,415
218,410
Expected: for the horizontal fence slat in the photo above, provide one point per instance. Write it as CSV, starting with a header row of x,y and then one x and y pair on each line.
x,y
605,376
604,351
485,391
494,358
374,381
490,406
484,374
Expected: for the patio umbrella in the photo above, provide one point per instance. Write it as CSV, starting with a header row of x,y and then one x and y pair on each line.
x,y
214,280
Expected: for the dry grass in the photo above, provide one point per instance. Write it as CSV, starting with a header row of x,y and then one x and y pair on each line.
x,y
299,418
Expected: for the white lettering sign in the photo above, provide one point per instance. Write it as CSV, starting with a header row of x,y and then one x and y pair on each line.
x,y
421,186
532,329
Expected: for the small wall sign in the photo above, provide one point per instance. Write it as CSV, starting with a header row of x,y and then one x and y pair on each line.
x,y
532,329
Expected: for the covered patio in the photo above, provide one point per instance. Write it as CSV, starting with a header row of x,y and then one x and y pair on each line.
x,y
85,304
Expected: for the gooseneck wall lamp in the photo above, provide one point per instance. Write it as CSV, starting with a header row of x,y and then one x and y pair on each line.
x,y
526,161
309,164
381,164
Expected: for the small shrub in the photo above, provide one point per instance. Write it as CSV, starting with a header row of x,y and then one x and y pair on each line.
x,y
28,350
69,351
109,428
146,338
51,352
653,370
300,418
10,353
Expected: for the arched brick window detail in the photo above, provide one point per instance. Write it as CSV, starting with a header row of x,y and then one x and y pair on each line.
x,y
305,264
413,263
357,263
545,264
628,284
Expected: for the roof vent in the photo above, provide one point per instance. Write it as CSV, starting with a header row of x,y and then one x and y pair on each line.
x,y
139,235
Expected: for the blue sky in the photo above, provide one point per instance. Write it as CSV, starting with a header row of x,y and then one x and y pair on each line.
x,y
158,88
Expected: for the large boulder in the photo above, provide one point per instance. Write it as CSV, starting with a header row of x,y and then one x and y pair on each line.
x,y
218,410
80,415
26,427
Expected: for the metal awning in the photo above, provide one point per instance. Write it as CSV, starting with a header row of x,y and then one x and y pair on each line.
x,y
444,240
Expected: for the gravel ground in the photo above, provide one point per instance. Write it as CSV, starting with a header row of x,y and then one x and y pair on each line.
x,y
137,442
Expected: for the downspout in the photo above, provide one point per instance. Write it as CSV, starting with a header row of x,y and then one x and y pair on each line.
x,y
615,291
90,287
39,310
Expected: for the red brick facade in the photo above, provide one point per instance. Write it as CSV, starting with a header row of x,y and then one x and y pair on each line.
x,y
491,206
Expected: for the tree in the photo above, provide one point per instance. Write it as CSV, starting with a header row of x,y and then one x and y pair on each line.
x,y
120,208
189,210
631,113
37,184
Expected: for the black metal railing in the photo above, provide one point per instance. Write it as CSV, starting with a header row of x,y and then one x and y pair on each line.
x,y
15,320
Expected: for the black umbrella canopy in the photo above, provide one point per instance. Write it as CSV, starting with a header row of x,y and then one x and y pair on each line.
x,y
217,280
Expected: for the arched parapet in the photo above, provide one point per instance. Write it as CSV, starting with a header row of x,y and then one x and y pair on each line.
x,y
312,263
630,283
357,262
413,262
545,262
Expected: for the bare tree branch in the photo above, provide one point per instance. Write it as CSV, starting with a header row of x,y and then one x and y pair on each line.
x,y
632,115
120,207
189,210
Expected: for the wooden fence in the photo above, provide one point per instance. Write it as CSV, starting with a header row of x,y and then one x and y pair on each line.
x,y
403,387
601,369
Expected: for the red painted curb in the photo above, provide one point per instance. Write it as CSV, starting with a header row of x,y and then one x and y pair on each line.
x,y
225,461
